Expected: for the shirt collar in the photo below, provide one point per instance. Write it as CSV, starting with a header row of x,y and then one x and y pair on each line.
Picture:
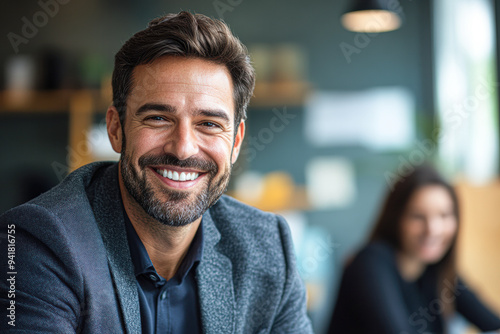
x,y
142,262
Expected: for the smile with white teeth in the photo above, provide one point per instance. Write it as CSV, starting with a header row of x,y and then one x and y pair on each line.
x,y
173,175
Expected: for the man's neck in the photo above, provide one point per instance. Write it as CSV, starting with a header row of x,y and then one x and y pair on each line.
x,y
166,245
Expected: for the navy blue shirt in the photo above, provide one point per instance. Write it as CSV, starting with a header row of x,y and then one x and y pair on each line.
x,y
167,306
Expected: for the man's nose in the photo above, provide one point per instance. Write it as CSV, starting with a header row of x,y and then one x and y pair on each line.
x,y
183,142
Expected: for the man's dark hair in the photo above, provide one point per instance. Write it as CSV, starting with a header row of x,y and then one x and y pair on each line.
x,y
185,35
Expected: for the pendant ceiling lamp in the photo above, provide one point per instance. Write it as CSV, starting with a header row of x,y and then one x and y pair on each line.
x,y
373,16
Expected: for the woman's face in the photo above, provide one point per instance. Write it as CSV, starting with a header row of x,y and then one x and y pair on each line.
x,y
428,224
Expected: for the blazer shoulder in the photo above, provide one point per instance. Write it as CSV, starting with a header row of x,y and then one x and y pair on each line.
x,y
234,207
252,231
266,281
235,217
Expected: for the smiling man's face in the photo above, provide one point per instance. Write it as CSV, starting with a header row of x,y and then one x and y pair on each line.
x,y
178,140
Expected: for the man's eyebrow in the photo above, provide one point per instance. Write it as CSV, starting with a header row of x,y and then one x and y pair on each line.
x,y
155,107
215,113
218,113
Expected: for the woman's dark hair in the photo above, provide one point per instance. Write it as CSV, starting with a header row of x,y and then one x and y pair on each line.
x,y
388,226
185,35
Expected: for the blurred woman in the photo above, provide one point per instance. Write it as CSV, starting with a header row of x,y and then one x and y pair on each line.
x,y
405,281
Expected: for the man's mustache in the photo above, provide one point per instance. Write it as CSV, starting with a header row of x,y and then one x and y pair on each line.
x,y
169,159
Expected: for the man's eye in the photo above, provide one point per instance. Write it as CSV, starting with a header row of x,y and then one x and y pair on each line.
x,y
210,125
155,118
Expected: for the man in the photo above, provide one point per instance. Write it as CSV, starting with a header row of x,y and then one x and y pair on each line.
x,y
148,245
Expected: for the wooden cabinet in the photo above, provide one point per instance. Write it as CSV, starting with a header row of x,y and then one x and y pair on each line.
x,y
478,243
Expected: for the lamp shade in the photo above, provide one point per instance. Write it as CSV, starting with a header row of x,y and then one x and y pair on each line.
x,y
373,16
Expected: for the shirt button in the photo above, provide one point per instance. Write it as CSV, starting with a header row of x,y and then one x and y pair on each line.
x,y
163,295
153,278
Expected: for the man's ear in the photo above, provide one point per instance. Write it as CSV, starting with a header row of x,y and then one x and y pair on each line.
x,y
114,127
238,140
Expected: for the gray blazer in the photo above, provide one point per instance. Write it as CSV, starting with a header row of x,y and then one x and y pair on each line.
x,y
74,274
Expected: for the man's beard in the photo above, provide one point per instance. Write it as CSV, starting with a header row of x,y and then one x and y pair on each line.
x,y
176,210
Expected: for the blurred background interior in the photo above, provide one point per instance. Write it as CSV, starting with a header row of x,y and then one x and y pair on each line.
x,y
337,114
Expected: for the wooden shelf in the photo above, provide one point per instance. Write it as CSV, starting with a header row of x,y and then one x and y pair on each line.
x,y
35,101
50,101
81,105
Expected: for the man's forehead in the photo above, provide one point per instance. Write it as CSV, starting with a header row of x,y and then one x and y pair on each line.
x,y
183,75
184,70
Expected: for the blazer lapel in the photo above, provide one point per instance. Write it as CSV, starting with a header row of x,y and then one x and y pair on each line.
x,y
108,210
215,284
